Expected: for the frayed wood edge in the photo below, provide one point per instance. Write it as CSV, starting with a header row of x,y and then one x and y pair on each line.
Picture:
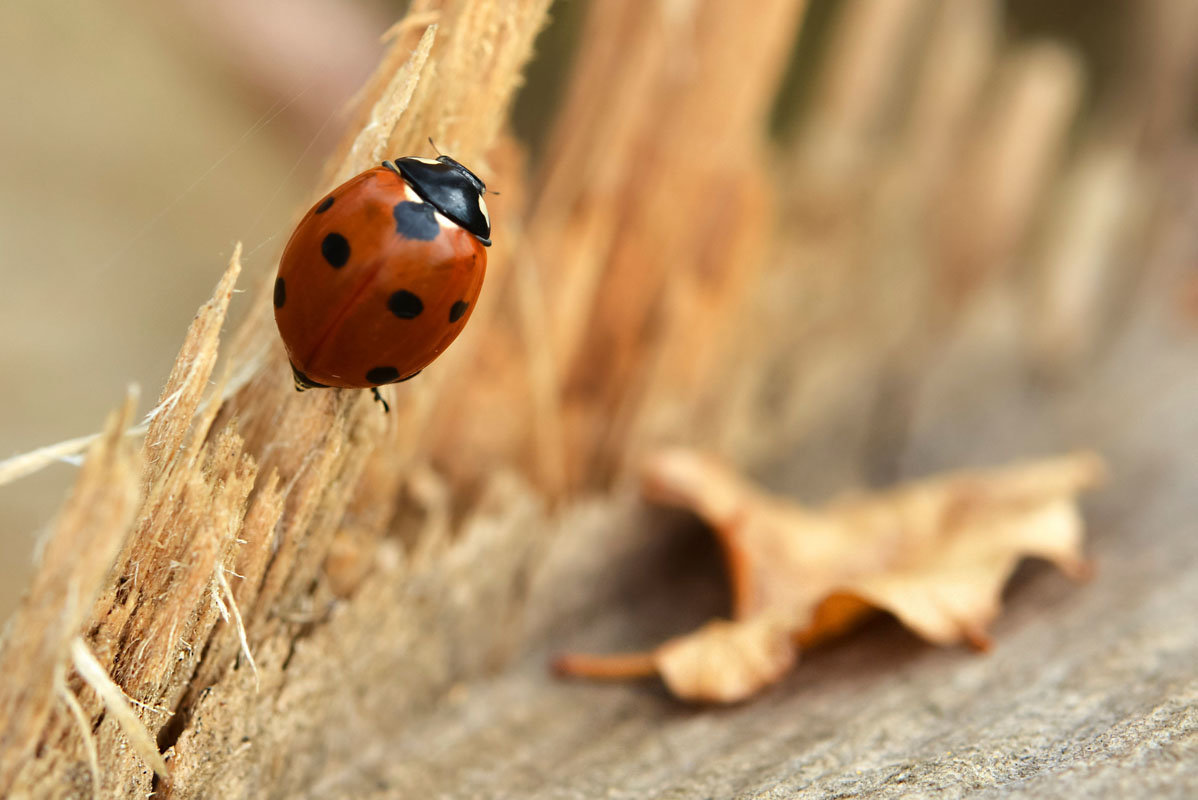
x,y
371,142
85,730
419,20
118,704
23,465
231,611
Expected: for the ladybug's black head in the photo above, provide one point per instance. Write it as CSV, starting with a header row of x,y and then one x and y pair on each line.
x,y
451,189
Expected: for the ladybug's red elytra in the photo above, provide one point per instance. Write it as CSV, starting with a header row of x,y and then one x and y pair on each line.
x,y
382,274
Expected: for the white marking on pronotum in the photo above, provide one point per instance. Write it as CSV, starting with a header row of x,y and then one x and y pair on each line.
x,y
482,206
442,221
410,194
432,161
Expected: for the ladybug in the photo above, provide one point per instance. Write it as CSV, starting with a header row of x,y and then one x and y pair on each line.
x,y
382,274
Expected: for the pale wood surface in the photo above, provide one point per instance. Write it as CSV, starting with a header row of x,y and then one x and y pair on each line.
x,y
1090,691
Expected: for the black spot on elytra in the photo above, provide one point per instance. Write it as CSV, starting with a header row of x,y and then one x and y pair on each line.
x,y
380,375
405,305
280,292
335,250
325,205
457,310
416,221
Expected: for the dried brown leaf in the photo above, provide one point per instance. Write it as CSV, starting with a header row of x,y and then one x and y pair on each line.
x,y
724,662
934,553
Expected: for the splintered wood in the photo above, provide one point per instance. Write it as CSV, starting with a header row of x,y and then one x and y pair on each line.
x,y
90,530
192,578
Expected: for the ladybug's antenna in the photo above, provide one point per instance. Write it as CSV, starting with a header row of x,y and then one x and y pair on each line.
x,y
443,156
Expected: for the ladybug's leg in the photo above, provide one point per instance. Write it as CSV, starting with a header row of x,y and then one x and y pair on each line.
x,y
303,382
379,397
